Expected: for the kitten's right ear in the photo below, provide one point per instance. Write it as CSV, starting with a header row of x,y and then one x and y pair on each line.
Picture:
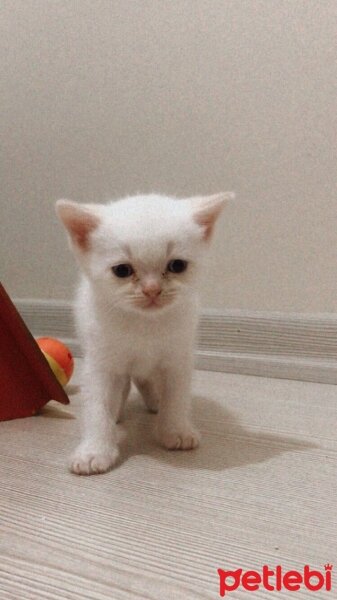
x,y
79,219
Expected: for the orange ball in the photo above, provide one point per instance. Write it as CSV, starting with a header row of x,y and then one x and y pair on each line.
x,y
59,358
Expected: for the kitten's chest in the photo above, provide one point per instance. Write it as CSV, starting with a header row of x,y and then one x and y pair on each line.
x,y
143,353
140,351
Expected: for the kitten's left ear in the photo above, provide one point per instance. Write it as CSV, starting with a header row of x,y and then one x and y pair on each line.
x,y
207,210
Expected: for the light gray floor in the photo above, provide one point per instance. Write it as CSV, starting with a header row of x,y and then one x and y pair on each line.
x,y
262,489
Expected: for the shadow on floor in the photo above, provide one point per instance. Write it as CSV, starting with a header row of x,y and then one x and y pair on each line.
x,y
54,411
225,443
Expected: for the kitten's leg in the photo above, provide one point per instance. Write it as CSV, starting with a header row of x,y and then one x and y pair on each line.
x,y
150,391
175,430
98,450
125,393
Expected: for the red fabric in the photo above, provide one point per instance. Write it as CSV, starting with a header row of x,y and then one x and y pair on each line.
x,y
26,381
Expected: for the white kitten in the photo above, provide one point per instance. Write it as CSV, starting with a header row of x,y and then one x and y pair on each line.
x,y
136,313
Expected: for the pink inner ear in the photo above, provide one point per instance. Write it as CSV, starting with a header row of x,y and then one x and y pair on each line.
x,y
208,213
81,228
206,222
206,219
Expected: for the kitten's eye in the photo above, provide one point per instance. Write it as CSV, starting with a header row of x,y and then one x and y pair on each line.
x,y
177,265
123,270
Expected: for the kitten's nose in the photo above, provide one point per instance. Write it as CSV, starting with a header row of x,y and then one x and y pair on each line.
x,y
151,289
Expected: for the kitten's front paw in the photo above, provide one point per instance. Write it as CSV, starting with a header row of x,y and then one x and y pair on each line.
x,y
91,461
185,438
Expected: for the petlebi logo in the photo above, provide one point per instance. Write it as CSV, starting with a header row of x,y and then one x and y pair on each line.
x,y
276,579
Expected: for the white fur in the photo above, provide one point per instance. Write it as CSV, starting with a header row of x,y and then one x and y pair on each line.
x,y
123,338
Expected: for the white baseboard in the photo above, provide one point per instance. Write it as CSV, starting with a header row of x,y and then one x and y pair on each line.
x,y
269,344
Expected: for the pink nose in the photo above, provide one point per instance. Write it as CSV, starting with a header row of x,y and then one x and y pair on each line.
x,y
151,289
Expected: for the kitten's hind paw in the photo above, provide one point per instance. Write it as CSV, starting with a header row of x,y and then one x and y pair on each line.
x,y
149,393
92,461
182,439
151,405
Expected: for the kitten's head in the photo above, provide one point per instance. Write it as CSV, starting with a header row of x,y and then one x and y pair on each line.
x,y
142,253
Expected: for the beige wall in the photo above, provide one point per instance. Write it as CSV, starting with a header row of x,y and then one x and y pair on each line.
x,y
108,97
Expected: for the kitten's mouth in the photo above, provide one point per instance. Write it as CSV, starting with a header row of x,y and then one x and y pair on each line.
x,y
152,304
156,303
